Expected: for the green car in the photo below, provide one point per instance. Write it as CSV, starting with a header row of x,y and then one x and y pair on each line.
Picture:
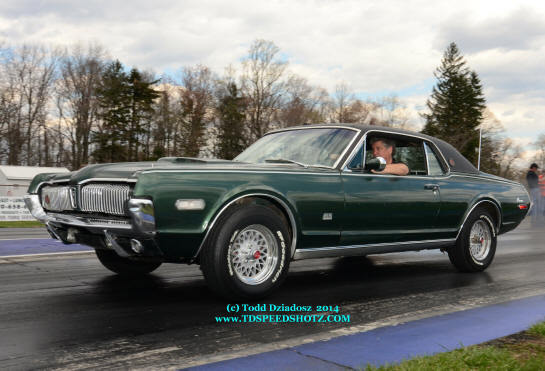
x,y
298,193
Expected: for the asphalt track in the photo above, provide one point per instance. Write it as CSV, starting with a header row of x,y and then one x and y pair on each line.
x,y
67,312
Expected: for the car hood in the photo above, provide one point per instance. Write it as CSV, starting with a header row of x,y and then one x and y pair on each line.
x,y
129,171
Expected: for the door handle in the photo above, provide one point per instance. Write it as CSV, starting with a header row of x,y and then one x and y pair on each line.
x,y
434,187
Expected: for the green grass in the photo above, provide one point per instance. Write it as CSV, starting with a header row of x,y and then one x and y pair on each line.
x,y
523,351
537,329
22,224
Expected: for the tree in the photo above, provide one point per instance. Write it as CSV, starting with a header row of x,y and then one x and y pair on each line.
x,y
27,75
230,130
302,103
262,85
164,129
140,98
76,93
113,98
196,105
456,104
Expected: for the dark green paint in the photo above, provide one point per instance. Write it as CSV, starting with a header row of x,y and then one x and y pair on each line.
x,y
376,209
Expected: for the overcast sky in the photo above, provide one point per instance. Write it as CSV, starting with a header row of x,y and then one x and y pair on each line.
x,y
378,47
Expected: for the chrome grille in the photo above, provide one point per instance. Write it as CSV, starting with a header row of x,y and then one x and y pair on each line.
x,y
56,198
104,198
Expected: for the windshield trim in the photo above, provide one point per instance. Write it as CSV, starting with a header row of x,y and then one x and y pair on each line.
x,y
312,127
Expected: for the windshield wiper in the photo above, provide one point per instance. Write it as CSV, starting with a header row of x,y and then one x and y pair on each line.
x,y
284,161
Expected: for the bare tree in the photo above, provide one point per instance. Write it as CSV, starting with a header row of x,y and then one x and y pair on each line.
x,y
343,98
196,108
390,111
302,103
28,73
80,71
261,84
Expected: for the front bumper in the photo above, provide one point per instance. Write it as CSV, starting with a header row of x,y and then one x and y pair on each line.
x,y
134,236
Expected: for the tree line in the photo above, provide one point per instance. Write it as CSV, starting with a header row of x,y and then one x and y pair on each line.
x,y
71,107
75,106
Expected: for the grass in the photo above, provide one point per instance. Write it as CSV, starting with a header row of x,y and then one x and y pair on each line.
x,y
522,351
22,224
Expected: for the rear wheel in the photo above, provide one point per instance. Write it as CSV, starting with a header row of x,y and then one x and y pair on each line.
x,y
476,244
124,266
246,256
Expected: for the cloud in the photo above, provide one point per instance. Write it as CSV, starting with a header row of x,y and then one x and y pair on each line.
x,y
520,29
379,47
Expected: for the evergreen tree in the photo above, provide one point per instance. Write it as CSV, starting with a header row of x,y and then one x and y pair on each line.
x,y
113,98
140,100
231,123
456,104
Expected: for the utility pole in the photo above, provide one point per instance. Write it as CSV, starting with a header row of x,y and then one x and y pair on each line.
x,y
480,139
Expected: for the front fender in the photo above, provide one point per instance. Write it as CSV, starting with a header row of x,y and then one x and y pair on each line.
x,y
181,233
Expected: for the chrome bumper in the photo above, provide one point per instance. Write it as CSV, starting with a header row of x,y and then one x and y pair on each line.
x,y
141,222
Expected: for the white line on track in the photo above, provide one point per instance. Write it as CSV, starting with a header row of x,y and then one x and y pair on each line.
x,y
22,239
46,254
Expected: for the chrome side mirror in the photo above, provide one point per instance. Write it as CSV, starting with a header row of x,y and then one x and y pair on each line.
x,y
377,164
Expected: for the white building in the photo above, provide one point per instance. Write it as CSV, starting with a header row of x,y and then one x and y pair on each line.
x,y
14,180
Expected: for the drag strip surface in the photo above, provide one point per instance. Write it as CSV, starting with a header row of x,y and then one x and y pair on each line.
x,y
70,312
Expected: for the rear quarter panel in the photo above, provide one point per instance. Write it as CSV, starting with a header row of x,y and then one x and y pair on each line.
x,y
460,192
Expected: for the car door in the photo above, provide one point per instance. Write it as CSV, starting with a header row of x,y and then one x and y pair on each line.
x,y
390,208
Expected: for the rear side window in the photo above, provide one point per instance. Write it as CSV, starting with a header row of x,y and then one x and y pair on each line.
x,y
434,165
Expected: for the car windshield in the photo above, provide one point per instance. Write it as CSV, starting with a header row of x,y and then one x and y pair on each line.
x,y
304,147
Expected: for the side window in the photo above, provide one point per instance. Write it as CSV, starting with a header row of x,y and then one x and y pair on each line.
x,y
408,150
434,165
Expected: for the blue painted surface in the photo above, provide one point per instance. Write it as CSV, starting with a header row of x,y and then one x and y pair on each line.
x,y
393,344
37,246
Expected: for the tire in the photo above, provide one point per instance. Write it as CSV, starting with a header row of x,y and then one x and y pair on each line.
x,y
124,266
246,256
476,244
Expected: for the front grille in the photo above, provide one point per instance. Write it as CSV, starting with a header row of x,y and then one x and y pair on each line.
x,y
104,198
56,198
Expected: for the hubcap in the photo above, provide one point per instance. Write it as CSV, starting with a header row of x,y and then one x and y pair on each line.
x,y
480,240
253,254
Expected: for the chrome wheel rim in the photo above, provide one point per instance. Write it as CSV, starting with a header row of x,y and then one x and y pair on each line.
x,y
480,240
254,254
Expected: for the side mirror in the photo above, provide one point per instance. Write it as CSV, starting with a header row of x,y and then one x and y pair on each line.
x,y
377,164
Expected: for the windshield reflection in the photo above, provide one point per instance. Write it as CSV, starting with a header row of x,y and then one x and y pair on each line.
x,y
311,147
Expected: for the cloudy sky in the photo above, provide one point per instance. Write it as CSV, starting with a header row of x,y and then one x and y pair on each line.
x,y
378,47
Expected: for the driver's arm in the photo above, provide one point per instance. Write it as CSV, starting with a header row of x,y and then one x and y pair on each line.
x,y
395,169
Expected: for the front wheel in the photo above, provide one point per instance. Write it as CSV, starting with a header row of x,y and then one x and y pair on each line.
x,y
246,256
124,266
476,244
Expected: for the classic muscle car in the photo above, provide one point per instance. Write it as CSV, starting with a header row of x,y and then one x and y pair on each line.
x,y
297,193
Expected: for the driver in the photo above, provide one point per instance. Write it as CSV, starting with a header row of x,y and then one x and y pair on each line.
x,y
385,148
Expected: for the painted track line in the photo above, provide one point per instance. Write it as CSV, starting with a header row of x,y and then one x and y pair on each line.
x,y
46,254
395,343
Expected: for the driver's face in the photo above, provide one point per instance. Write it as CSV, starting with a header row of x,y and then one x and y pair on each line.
x,y
381,150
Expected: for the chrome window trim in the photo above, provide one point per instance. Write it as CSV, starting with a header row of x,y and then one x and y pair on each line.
x,y
358,131
313,127
225,207
424,144
363,139
346,149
